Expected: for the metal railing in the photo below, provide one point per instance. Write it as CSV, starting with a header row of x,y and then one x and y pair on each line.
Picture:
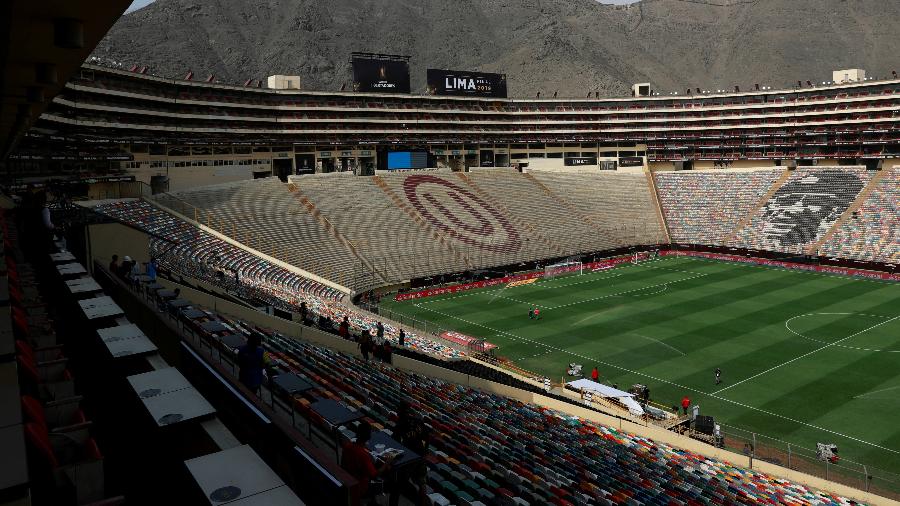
x,y
798,458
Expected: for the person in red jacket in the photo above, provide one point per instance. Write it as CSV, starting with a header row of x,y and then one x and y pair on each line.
x,y
357,461
685,403
595,375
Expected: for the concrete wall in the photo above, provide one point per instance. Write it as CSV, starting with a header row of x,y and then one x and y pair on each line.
x,y
108,239
183,178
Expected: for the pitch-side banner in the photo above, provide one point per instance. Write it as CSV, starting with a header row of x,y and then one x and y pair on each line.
x,y
380,75
466,84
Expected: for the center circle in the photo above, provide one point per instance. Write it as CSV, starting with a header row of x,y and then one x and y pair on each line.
x,y
486,228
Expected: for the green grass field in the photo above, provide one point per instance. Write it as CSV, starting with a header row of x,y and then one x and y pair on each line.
x,y
806,357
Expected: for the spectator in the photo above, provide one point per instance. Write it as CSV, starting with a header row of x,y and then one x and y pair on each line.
x,y
357,461
303,312
386,351
152,266
595,375
401,339
411,433
685,404
252,361
344,329
125,267
365,341
114,265
379,329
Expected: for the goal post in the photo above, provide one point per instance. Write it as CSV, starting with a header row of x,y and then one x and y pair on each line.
x,y
564,268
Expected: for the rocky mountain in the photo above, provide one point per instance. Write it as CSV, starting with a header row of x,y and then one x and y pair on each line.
x,y
569,46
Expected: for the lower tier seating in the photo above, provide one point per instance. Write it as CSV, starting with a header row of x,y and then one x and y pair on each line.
x,y
872,234
803,209
495,450
706,207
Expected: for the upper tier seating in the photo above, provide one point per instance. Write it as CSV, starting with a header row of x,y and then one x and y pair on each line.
x,y
803,209
873,232
263,214
202,256
619,205
704,208
496,450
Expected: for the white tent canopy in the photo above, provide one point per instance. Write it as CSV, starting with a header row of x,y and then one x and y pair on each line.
x,y
606,391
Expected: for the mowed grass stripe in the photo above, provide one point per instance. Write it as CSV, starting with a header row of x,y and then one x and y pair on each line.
x,y
733,316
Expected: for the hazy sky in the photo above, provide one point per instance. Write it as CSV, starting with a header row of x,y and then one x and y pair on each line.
x,y
137,4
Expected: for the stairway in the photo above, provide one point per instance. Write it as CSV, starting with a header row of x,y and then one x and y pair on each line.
x,y
651,183
813,249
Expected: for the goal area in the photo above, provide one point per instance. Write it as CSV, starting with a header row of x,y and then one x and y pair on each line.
x,y
564,268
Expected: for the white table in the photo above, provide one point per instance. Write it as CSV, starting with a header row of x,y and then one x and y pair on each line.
x,y
94,313
227,476
178,406
159,382
83,285
73,269
102,300
99,307
130,347
282,495
62,256
120,332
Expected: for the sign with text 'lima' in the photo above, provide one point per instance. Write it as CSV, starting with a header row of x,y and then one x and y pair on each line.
x,y
466,84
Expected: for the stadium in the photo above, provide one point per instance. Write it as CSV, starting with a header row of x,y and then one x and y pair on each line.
x,y
261,294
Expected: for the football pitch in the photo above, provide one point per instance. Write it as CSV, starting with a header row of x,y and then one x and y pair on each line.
x,y
805,357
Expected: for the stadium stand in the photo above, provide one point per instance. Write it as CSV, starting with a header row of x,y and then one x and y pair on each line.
x,y
619,205
872,233
803,209
379,230
490,449
264,214
190,252
705,208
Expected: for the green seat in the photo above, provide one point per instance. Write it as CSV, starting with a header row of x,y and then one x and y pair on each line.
x,y
464,496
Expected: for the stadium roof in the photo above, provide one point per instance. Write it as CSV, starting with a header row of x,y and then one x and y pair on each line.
x,y
42,43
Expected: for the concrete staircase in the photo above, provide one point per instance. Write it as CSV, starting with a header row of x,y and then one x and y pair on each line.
x,y
651,184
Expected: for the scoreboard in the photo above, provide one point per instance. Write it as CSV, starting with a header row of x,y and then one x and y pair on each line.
x,y
380,73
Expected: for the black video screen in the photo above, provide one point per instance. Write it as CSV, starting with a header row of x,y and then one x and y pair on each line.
x,y
380,75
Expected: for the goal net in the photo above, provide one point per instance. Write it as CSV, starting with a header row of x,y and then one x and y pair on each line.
x,y
644,256
563,268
